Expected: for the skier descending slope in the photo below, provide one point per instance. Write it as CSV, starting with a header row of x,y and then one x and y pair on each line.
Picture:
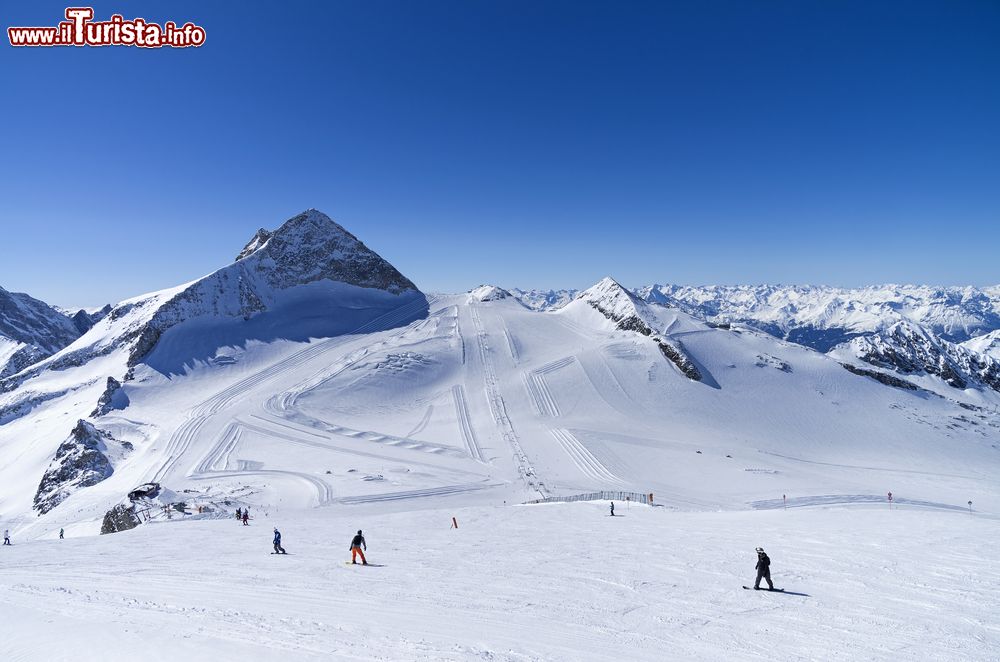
x,y
6,536
246,518
356,544
763,570
278,549
612,508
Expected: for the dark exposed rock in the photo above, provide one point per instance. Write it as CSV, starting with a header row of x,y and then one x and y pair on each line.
x,y
40,329
84,321
908,349
766,360
120,518
623,308
255,243
80,461
881,377
33,322
24,404
21,359
679,358
112,398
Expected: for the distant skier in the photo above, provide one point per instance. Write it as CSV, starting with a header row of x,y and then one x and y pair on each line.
x,y
6,536
356,544
763,570
278,549
246,518
239,514
61,534
612,508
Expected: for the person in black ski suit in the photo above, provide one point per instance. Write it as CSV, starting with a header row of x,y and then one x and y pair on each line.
x,y
612,508
278,549
357,542
763,570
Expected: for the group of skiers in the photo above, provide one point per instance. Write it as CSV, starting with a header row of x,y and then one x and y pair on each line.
x,y
358,544
6,535
358,548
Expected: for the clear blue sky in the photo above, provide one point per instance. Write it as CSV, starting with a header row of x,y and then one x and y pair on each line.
x,y
531,144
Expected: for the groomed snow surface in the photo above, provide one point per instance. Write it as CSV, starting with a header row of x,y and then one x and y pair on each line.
x,y
542,582
413,417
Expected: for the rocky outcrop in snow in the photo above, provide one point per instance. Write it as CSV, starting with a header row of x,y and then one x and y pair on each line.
x,y
120,518
909,349
80,461
112,398
84,320
629,313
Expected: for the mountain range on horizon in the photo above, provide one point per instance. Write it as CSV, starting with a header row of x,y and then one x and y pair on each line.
x,y
309,334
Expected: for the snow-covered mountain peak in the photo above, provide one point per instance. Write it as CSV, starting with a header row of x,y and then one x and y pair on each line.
x,y
489,293
612,299
299,274
311,246
988,344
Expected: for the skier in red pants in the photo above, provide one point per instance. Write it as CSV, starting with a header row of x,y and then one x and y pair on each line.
x,y
356,544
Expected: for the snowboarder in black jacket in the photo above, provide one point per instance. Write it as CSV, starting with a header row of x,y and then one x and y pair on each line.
x,y
278,549
763,570
357,542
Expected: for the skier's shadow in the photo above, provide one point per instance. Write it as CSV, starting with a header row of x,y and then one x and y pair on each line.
x,y
804,595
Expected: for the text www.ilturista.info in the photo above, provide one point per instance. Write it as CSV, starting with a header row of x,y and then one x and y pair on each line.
x,y
79,29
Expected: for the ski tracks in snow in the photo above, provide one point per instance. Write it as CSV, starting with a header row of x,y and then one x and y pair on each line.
x,y
499,409
181,439
465,423
538,388
584,460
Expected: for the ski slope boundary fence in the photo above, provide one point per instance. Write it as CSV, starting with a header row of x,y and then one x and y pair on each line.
x,y
634,497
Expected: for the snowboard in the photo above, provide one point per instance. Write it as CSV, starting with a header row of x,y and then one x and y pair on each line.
x,y
368,565
772,590
280,554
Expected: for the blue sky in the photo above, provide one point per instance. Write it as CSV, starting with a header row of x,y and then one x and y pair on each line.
x,y
530,144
